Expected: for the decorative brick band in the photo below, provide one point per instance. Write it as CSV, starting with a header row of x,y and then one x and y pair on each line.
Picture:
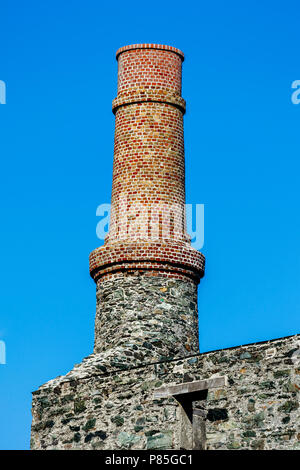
x,y
150,46
169,256
139,96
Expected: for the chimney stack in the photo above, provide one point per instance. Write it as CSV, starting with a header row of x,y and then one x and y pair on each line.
x,y
147,272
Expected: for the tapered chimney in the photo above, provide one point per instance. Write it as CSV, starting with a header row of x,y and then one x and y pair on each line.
x,y
147,272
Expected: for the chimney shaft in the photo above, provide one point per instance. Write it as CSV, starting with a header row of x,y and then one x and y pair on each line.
x,y
146,263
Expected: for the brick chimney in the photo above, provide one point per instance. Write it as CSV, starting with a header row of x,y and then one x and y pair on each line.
x,y
147,272
128,395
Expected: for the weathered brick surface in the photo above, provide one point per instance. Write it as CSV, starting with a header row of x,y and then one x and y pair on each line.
x,y
149,66
147,226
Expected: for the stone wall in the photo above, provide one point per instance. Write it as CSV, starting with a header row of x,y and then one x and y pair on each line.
x,y
256,407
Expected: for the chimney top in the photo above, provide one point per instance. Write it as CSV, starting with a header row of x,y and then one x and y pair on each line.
x,y
150,46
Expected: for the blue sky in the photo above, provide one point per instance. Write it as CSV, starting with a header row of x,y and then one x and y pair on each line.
x,y
56,147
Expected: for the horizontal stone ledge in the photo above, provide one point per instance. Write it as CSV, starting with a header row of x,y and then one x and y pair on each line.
x,y
200,413
190,387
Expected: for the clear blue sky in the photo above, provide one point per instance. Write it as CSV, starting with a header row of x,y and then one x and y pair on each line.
x,y
242,160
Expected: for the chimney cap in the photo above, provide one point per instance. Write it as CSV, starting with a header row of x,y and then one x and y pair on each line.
x,y
150,46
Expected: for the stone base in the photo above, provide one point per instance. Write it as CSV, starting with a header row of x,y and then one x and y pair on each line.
x,y
245,397
144,318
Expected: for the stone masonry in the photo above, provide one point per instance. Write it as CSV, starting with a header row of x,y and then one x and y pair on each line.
x,y
146,386
253,404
